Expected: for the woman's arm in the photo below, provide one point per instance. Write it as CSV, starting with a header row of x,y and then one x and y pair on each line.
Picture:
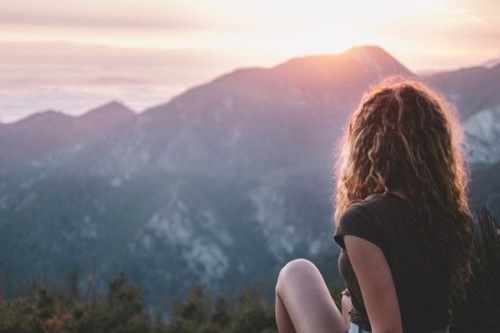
x,y
377,287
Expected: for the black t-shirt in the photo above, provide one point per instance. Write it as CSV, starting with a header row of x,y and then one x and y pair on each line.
x,y
421,280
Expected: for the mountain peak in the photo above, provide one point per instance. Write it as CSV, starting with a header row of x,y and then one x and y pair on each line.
x,y
372,49
104,118
112,109
371,58
42,117
376,58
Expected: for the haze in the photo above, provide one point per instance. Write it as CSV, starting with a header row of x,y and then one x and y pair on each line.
x,y
72,55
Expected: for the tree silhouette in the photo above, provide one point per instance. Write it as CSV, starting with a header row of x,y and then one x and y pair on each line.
x,y
478,309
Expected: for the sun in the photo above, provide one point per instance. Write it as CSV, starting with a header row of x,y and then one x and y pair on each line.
x,y
316,26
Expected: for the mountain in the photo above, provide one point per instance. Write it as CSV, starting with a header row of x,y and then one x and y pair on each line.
x,y
471,89
103,119
34,136
491,63
485,188
45,134
221,185
474,91
482,131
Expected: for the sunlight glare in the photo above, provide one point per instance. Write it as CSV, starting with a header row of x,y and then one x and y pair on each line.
x,y
316,26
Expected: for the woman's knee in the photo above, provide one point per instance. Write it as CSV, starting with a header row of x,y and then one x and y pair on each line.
x,y
296,270
297,266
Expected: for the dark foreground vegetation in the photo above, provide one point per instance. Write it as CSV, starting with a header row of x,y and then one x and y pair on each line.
x,y
121,309
479,308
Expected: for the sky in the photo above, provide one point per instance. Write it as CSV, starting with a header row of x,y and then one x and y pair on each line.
x,y
72,54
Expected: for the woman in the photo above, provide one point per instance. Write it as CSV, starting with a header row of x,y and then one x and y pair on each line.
x,y
402,222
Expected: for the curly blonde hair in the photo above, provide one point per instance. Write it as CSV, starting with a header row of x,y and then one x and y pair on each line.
x,y
405,136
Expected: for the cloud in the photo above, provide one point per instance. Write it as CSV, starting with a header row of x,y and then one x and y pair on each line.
x,y
96,22
100,15
37,63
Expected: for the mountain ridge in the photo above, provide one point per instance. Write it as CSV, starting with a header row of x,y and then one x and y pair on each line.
x,y
220,185
46,134
112,106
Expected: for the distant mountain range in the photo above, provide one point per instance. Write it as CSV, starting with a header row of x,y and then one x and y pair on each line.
x,y
220,185
34,139
475,92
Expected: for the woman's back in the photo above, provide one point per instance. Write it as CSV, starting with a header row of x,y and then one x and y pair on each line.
x,y
421,280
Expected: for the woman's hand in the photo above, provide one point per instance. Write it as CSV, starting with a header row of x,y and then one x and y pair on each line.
x,y
346,306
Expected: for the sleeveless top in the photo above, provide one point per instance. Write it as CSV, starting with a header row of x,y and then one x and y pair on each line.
x,y
421,280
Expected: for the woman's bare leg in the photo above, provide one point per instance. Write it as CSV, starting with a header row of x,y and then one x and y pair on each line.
x,y
303,303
